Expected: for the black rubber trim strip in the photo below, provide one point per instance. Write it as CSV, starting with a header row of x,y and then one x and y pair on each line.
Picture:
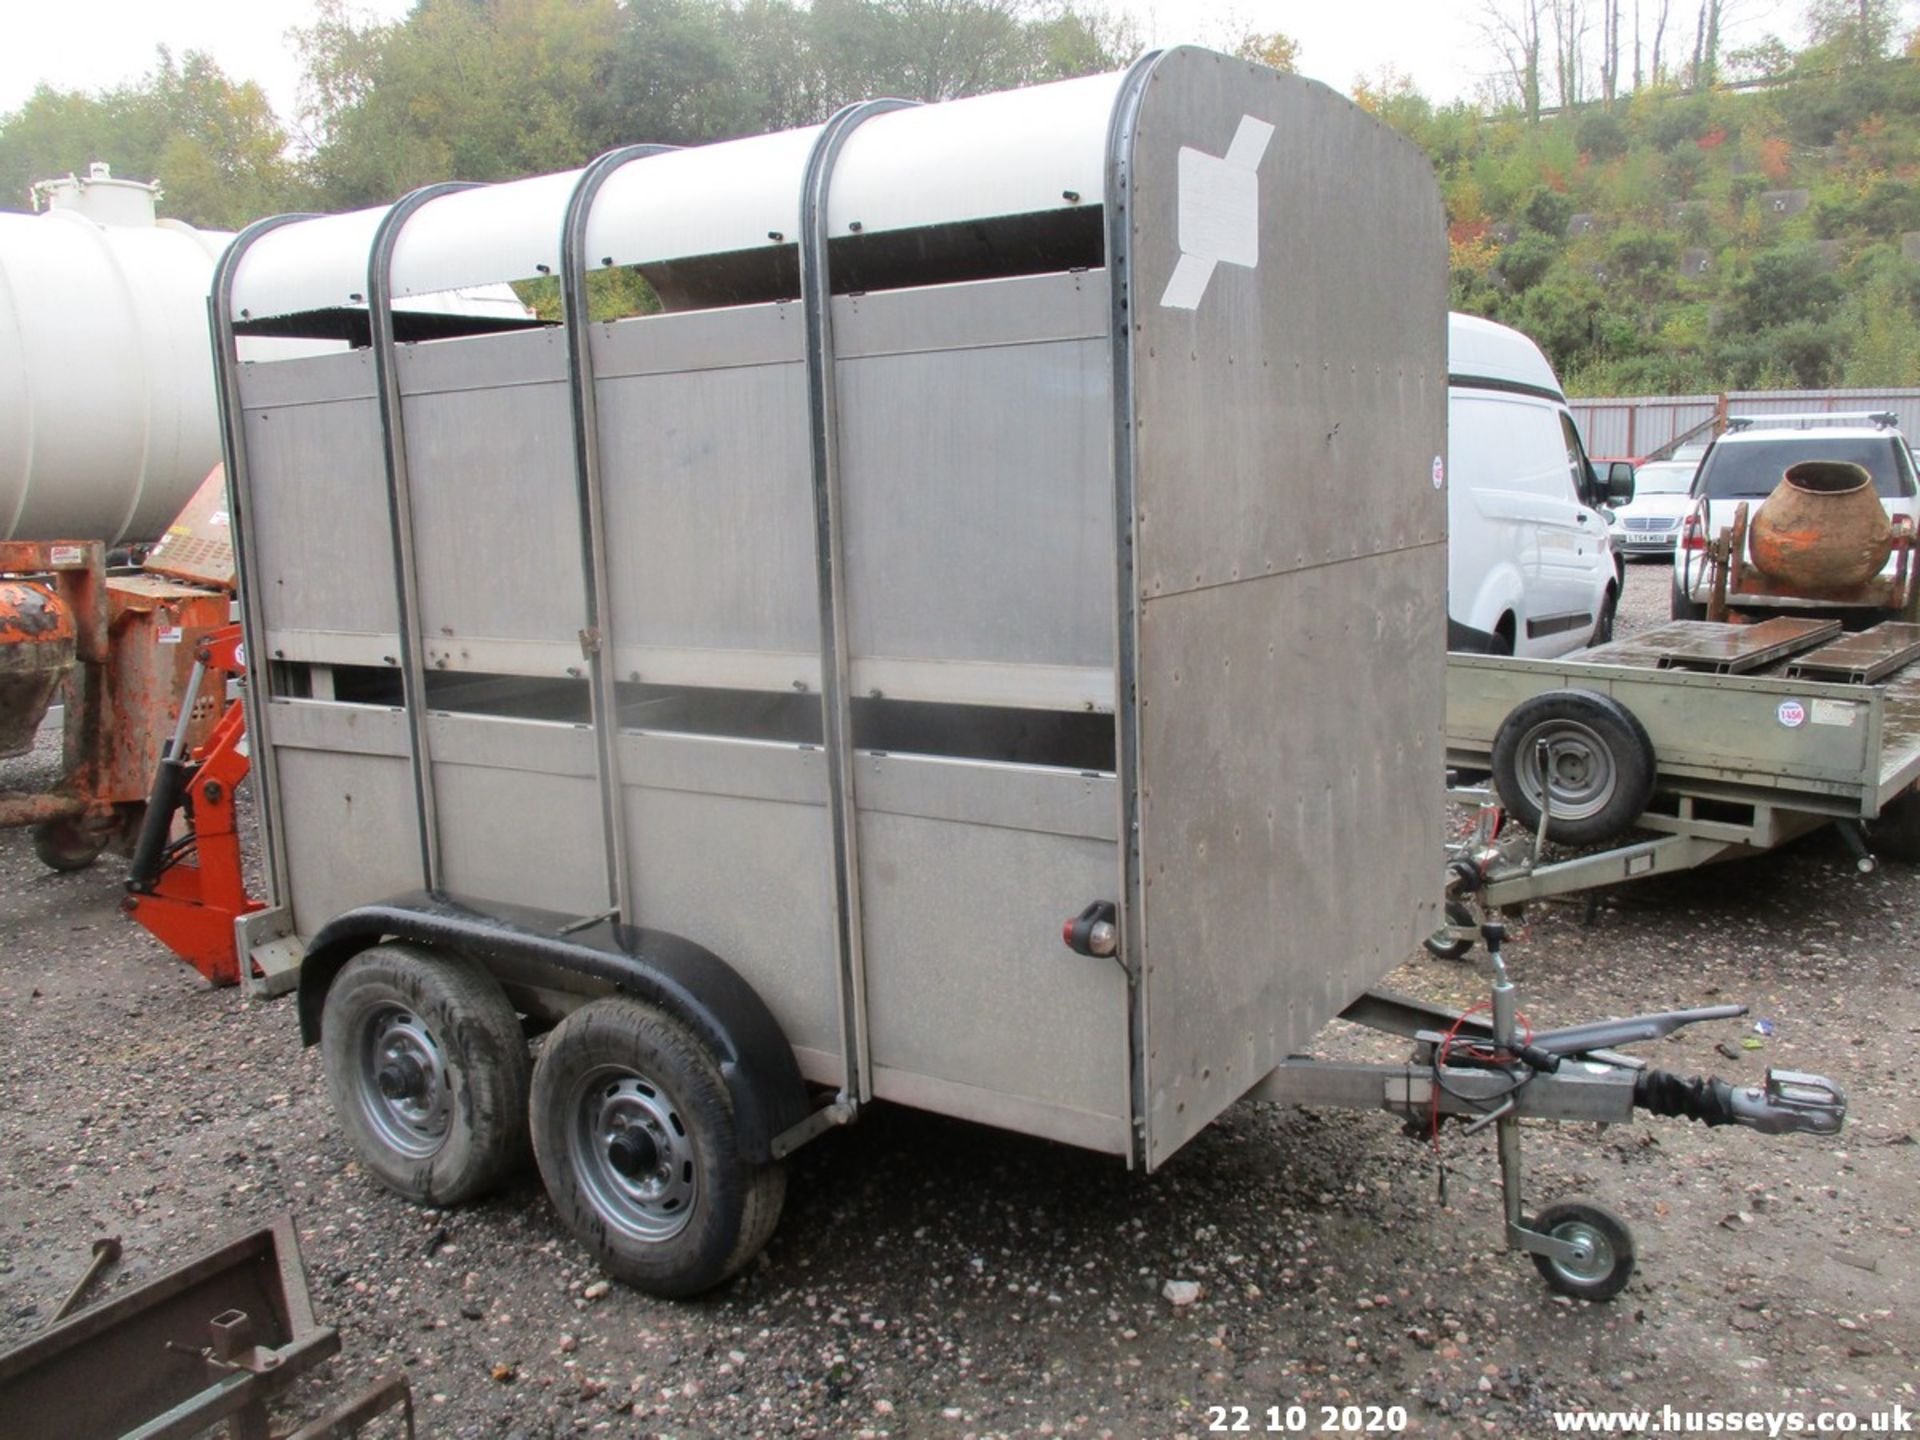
x,y
1505,387
1557,624
687,981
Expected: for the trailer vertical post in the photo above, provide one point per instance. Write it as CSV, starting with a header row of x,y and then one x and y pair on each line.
x,y
393,435
595,639
836,706
1119,218
233,445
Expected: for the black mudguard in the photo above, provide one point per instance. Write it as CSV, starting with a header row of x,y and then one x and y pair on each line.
x,y
685,980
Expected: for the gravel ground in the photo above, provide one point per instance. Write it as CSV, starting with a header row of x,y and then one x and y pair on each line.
x,y
938,1279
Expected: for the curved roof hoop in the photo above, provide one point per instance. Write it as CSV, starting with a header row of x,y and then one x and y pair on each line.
x,y
406,576
836,708
233,449
596,640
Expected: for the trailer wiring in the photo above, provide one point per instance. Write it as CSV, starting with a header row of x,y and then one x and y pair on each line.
x,y
1486,1055
1483,1054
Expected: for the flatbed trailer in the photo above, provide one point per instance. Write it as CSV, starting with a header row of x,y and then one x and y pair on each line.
x,y
1736,739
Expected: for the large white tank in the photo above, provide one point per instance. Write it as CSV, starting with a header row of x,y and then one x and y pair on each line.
x,y
107,411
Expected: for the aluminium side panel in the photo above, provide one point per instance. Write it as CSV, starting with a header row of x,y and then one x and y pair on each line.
x,y
729,842
322,567
496,521
1288,291
977,491
519,811
347,814
703,444
976,1008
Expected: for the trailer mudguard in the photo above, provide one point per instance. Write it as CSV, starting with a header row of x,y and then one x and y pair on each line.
x,y
687,981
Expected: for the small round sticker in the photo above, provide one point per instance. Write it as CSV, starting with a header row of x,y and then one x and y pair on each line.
x,y
1792,714
240,654
1439,471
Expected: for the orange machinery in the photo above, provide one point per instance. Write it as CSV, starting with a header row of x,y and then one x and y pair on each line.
x,y
127,647
189,889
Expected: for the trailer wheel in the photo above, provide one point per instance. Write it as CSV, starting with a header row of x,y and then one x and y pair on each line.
x,y
1896,834
1599,765
68,844
428,1070
633,1131
1606,1263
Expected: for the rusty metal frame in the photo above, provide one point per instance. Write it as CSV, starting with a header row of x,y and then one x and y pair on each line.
x,y
214,1339
393,437
76,572
596,640
389,1393
836,705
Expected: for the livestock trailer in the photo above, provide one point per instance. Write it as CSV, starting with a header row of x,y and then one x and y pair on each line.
x,y
1019,520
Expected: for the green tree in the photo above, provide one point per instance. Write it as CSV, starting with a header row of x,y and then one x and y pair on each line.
x,y
1525,262
1786,285
462,89
1852,31
213,143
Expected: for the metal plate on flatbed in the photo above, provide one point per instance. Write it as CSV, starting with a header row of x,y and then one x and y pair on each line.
x,y
1738,649
1862,658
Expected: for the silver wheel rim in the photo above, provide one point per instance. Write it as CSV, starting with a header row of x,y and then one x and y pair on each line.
x,y
1579,764
406,1093
633,1153
1595,1262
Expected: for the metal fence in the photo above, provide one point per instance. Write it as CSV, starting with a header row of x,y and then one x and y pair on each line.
x,y
1641,425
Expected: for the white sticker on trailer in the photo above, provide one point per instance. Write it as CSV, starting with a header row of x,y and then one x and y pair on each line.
x,y
1835,712
1219,208
168,635
1792,714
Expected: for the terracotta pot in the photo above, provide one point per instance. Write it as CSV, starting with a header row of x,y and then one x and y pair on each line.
x,y
1823,528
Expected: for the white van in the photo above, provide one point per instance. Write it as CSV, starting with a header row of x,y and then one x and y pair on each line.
x,y
1530,570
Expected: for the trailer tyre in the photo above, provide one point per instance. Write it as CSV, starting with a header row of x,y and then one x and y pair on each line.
x,y
633,1131
428,1070
1606,1264
1896,834
1600,765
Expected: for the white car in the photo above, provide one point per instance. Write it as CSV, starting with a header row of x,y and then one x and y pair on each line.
x,y
1529,568
1747,463
1649,524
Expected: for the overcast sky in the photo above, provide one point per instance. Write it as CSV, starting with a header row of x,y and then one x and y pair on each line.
x,y
96,44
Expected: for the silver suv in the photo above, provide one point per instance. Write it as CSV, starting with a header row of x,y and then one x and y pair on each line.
x,y
1747,462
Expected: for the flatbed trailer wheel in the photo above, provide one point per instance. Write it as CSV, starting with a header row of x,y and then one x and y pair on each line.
x,y
633,1130
1599,765
1605,1262
1896,834
428,1069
